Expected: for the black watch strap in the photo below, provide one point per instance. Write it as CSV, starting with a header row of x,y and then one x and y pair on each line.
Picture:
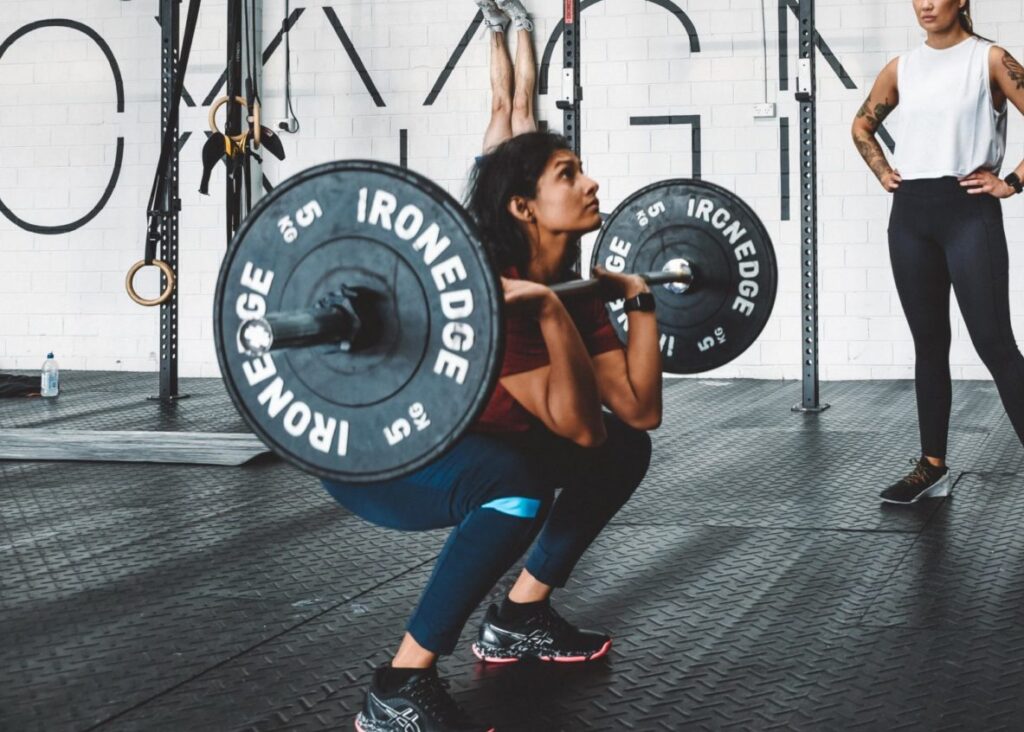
x,y
1013,180
644,302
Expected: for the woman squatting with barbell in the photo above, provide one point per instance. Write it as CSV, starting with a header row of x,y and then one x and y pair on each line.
x,y
544,428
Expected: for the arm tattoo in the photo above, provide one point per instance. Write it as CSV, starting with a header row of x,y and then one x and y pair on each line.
x,y
879,113
1014,70
867,145
871,151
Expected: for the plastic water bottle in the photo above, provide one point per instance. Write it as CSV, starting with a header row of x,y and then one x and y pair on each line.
x,y
50,379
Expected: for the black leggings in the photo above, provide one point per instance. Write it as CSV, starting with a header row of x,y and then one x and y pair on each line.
x,y
938,235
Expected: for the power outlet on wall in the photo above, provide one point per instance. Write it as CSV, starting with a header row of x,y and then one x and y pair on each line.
x,y
765,109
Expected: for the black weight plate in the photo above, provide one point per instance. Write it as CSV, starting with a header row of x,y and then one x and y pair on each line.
x,y
421,383
735,273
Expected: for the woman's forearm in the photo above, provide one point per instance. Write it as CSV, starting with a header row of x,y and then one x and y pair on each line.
x,y
869,119
643,361
871,151
572,396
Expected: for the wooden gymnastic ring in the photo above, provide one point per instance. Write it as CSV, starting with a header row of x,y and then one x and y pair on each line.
x,y
129,283
217,104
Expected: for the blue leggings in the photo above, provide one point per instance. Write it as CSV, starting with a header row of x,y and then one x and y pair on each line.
x,y
498,493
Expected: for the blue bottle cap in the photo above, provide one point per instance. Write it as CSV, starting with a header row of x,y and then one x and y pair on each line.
x,y
49,355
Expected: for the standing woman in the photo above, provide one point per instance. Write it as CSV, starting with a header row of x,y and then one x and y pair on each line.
x,y
946,225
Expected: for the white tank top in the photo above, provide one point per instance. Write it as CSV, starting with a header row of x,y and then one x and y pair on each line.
x,y
947,124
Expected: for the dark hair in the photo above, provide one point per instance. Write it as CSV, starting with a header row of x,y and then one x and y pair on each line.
x,y
964,16
967,23
511,169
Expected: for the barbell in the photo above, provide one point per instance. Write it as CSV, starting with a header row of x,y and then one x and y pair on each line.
x,y
346,318
359,322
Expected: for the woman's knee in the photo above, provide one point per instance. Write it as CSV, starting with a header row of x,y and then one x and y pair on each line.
x,y
629,448
522,106
933,345
501,106
628,440
997,353
522,118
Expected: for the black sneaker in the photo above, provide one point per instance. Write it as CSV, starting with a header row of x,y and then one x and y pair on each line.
x,y
421,704
924,481
545,636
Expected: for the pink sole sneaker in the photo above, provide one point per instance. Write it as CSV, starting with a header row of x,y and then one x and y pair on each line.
x,y
603,650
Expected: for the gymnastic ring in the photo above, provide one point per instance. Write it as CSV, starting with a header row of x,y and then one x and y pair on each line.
x,y
217,104
129,283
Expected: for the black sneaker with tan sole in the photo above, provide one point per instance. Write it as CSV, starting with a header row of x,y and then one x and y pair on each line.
x,y
420,704
924,481
546,636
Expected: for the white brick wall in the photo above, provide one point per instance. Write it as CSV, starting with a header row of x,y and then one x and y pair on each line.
x,y
65,293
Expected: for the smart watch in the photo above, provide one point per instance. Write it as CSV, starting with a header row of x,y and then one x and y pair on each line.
x,y
1013,180
644,302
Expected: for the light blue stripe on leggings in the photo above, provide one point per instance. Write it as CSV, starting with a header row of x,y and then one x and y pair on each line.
x,y
520,507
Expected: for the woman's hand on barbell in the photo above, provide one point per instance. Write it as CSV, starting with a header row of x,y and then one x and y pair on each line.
x,y
618,285
530,297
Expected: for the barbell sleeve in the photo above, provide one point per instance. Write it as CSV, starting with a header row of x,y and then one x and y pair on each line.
x,y
275,331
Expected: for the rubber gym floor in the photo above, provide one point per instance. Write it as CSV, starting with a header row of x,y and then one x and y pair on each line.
x,y
754,582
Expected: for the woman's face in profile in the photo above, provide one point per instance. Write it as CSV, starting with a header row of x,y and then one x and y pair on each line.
x,y
566,200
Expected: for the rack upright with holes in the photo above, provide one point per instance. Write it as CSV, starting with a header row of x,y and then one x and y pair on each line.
x,y
805,94
572,92
169,205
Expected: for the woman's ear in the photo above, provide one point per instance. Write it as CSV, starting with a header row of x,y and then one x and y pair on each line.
x,y
519,207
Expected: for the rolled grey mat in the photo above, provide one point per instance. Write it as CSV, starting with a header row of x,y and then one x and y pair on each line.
x,y
197,448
